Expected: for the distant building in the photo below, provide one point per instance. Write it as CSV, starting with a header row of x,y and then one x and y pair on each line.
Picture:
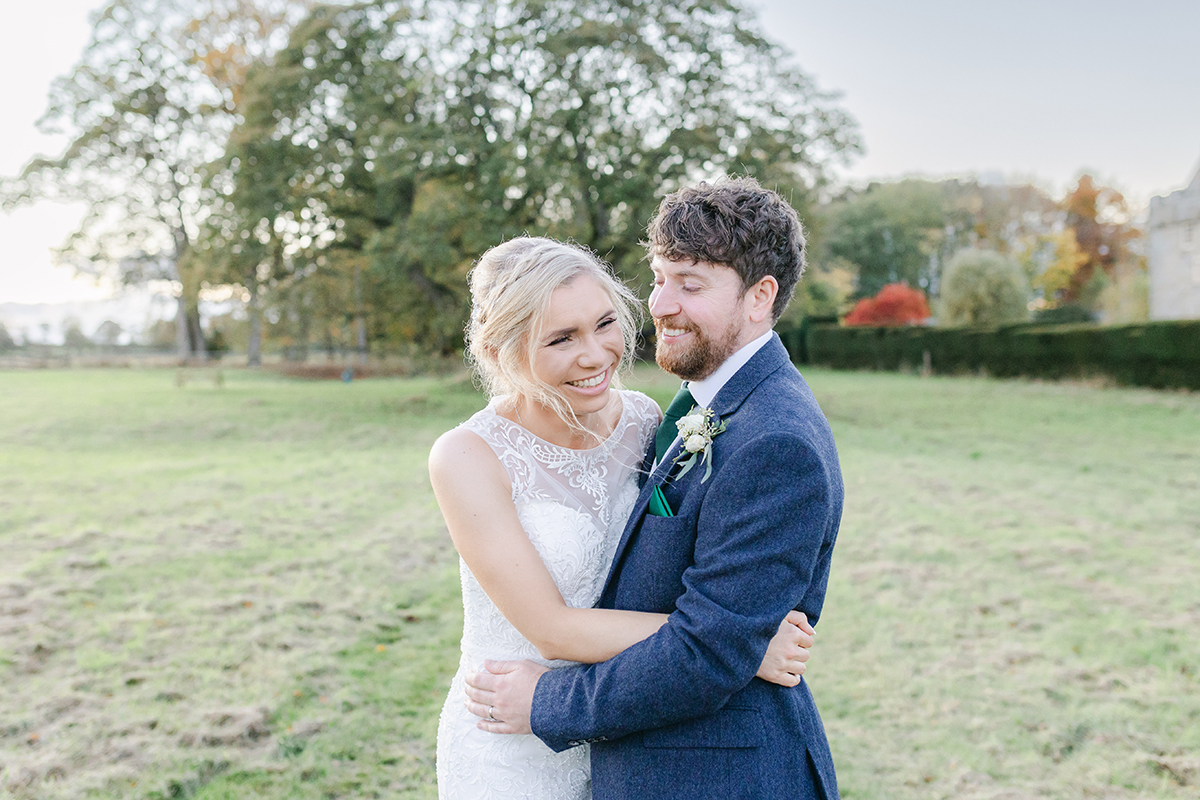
x,y
1174,253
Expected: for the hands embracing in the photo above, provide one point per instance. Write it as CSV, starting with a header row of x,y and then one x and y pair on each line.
x,y
502,695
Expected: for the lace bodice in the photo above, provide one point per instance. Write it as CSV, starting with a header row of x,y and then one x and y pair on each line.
x,y
573,505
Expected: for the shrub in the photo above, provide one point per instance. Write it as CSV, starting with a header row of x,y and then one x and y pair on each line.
x,y
1164,354
1066,314
983,287
896,304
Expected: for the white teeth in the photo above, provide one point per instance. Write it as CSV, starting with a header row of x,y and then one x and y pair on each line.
x,y
673,332
590,382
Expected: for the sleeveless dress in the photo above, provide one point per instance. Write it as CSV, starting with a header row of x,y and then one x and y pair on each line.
x,y
573,504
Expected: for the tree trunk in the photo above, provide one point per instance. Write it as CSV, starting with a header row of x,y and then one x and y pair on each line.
x,y
199,349
254,309
254,346
303,324
360,322
183,344
189,336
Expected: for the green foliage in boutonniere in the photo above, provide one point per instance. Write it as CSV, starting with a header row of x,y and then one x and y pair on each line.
x,y
697,430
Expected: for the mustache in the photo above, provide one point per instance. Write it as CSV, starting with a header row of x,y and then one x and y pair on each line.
x,y
674,323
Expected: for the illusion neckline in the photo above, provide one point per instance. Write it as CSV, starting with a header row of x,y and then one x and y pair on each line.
x,y
608,440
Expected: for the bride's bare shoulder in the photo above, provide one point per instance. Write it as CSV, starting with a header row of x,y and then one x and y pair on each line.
x,y
457,448
466,474
460,457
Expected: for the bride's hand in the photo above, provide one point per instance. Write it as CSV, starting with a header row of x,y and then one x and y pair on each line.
x,y
785,660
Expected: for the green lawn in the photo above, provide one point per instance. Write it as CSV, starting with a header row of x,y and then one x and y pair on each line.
x,y
245,590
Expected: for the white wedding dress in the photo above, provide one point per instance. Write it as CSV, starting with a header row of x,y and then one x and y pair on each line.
x,y
573,505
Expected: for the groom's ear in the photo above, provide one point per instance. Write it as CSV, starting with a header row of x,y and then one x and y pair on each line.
x,y
760,299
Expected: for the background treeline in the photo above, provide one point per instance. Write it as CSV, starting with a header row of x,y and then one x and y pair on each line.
x,y
332,171
338,168
984,253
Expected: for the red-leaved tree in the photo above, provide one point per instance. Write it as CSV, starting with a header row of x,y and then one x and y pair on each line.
x,y
896,304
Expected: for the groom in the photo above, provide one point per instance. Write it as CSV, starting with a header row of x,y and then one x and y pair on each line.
x,y
726,554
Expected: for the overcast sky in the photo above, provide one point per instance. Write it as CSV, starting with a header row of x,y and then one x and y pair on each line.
x,y
1020,90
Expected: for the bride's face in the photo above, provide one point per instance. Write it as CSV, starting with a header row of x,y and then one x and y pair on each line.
x,y
580,345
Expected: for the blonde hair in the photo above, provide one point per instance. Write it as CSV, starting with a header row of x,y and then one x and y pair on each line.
x,y
511,286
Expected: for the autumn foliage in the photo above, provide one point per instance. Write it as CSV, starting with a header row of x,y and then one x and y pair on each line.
x,y
896,304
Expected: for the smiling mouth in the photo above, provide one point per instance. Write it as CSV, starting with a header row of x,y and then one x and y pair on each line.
x,y
589,383
673,331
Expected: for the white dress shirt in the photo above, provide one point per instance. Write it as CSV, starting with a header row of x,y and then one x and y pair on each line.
x,y
705,391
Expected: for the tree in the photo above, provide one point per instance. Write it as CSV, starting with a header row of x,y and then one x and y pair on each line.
x,y
999,217
983,287
159,334
149,104
6,340
889,233
896,304
1066,260
391,143
109,333
906,231
73,336
1089,261
228,42
823,291
140,117
1099,218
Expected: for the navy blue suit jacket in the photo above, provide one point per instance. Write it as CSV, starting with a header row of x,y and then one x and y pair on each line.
x,y
680,714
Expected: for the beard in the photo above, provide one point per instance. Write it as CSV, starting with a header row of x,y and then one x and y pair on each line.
x,y
699,359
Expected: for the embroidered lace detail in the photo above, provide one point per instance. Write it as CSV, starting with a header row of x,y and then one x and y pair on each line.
x,y
573,504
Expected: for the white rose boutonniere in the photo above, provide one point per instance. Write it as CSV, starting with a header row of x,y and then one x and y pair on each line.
x,y
698,429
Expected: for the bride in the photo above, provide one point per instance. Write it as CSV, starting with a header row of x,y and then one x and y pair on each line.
x,y
535,490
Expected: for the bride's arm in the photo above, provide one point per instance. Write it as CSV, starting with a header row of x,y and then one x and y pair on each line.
x,y
475,496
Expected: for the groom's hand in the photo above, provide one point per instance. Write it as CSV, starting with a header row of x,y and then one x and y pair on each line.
x,y
502,697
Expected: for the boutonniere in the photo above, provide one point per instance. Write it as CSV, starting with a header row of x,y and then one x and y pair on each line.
x,y
697,430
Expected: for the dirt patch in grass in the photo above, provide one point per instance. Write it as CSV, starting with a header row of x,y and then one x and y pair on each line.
x,y
248,608
245,590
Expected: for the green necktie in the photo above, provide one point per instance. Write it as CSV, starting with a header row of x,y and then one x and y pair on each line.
x,y
668,430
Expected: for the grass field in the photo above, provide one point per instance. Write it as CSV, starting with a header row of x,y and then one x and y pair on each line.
x,y
245,590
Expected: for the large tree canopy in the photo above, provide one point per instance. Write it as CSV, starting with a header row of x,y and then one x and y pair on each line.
x,y
140,117
391,142
150,103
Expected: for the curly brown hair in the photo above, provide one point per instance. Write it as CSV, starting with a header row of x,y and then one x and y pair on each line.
x,y
735,223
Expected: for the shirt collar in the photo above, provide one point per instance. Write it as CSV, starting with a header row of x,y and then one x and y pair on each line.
x,y
705,391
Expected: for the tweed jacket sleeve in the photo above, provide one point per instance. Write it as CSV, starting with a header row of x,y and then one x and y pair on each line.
x,y
763,536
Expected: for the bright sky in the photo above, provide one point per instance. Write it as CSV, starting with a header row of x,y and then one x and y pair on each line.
x,y
1015,89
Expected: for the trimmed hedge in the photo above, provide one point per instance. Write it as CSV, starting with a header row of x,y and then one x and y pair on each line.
x,y
1157,354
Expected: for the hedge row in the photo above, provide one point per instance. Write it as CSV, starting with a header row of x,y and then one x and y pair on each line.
x,y
1157,354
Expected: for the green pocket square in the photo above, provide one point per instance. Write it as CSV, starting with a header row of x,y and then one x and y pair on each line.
x,y
659,506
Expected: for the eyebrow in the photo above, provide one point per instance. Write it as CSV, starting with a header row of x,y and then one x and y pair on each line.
x,y
691,271
549,335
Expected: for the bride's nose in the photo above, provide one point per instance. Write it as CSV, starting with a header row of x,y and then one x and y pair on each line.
x,y
592,352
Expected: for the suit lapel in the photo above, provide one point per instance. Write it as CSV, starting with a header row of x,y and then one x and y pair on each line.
x,y
636,516
771,357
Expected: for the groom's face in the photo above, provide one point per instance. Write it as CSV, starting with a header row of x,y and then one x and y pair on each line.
x,y
699,316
